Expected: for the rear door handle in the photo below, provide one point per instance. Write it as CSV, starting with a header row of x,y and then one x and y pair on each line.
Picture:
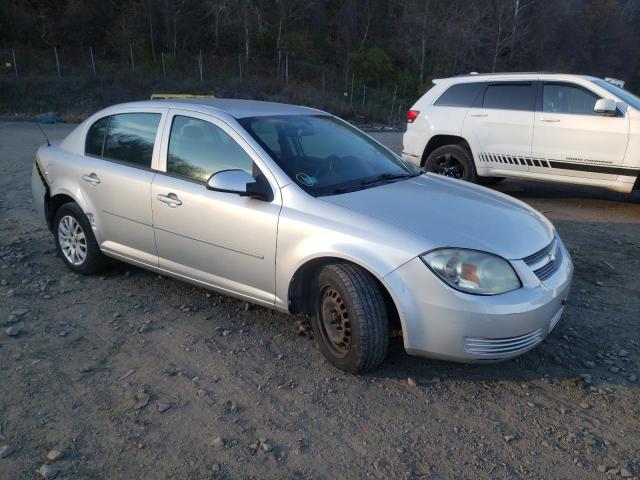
x,y
91,178
171,199
479,115
550,120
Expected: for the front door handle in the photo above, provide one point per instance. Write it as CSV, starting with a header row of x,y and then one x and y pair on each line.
x,y
171,199
91,178
550,120
479,115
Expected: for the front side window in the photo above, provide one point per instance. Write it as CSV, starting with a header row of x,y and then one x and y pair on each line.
x,y
460,95
510,96
130,138
95,137
198,149
325,155
563,98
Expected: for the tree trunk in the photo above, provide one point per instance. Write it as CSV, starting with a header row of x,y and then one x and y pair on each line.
x,y
423,49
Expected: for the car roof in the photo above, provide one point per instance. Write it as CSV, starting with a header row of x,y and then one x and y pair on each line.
x,y
234,107
470,77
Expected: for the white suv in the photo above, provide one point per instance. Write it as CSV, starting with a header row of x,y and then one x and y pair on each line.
x,y
559,128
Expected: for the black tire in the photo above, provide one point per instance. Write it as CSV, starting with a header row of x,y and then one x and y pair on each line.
x,y
489,180
452,161
360,307
94,260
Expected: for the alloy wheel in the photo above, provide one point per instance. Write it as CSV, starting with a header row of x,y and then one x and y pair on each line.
x,y
449,166
73,242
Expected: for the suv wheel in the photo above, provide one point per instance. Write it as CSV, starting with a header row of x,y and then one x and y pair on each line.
x,y
351,325
75,242
453,161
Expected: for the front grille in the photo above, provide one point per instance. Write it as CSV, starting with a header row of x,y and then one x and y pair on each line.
x,y
503,346
546,261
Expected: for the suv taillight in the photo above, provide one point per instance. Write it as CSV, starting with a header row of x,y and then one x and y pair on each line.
x,y
412,115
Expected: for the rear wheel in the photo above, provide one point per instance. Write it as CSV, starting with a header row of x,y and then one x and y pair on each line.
x,y
350,324
453,161
75,241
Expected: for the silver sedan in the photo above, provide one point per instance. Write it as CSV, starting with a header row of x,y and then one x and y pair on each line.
x,y
294,209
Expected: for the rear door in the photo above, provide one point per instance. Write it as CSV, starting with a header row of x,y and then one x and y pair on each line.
x,y
499,126
570,138
115,177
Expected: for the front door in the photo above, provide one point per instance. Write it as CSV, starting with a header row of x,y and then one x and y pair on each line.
x,y
218,238
571,139
500,125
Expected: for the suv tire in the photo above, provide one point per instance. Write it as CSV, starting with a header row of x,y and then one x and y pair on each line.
x,y
453,161
351,324
75,241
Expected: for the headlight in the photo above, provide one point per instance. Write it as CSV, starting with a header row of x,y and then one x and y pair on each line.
x,y
472,271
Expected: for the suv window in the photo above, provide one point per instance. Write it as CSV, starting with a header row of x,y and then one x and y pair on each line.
x,y
130,138
198,149
460,95
510,96
565,98
95,137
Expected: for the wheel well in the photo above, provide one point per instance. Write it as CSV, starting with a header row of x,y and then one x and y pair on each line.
x,y
301,298
438,141
53,204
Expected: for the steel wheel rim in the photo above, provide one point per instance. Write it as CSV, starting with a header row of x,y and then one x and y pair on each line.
x,y
335,323
449,166
72,239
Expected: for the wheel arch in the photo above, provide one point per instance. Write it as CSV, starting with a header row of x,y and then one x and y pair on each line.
x,y
438,141
299,301
55,201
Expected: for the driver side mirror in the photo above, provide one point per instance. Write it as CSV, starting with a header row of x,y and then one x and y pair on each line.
x,y
605,106
240,183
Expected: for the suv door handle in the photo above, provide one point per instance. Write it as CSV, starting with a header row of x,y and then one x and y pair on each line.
x,y
91,178
479,115
550,120
171,199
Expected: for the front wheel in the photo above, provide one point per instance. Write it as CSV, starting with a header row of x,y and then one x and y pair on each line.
x,y
351,324
453,161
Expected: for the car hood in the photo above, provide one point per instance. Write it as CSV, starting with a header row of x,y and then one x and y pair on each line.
x,y
453,213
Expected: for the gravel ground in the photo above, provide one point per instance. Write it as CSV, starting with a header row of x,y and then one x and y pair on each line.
x,y
131,375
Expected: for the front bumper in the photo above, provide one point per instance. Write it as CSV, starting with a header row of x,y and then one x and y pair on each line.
x,y
440,322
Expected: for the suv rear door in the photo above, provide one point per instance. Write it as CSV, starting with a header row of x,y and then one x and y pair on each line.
x,y
499,127
570,138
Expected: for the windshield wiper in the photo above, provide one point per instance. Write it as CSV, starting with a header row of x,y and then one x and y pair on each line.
x,y
386,177
383,177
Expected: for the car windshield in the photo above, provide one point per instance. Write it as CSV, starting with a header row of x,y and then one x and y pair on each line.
x,y
325,155
621,93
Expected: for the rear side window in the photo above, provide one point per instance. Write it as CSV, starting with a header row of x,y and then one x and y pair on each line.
x,y
130,138
510,96
460,95
198,149
95,137
564,98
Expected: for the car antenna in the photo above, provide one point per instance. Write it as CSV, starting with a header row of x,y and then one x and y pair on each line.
x,y
43,133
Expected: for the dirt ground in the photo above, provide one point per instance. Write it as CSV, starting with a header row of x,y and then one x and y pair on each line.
x,y
131,375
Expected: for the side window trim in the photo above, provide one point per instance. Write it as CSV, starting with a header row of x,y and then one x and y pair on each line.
x,y
479,94
104,138
260,163
532,84
540,104
163,112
